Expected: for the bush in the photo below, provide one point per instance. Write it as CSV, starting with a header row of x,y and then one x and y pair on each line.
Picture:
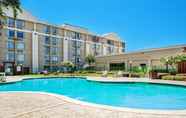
x,y
138,69
174,77
90,68
163,70
138,75
99,72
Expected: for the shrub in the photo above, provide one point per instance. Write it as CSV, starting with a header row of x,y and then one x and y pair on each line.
x,y
138,69
174,77
160,69
135,75
98,72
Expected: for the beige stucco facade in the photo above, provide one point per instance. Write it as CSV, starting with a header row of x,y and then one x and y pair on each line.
x,y
40,45
149,57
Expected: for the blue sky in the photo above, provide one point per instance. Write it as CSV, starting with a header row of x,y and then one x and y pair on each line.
x,y
141,23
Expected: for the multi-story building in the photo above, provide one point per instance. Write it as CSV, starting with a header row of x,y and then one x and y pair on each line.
x,y
34,45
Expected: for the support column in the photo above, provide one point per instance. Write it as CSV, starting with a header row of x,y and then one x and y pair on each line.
x,y
149,63
65,48
104,50
88,51
35,53
149,66
108,66
126,65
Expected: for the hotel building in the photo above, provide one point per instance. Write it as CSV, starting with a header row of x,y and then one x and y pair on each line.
x,y
144,58
35,45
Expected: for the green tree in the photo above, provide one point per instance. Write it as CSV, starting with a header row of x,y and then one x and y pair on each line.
x,y
68,65
180,58
169,61
13,4
90,59
173,60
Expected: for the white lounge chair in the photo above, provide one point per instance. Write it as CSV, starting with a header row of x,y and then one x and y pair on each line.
x,y
2,77
105,73
118,74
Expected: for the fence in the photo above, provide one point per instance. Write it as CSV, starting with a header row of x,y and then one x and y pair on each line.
x,y
182,67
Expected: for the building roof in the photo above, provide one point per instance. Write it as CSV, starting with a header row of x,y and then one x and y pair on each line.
x,y
149,50
112,36
25,15
76,28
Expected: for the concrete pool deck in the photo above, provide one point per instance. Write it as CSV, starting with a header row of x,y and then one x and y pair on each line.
x,y
46,105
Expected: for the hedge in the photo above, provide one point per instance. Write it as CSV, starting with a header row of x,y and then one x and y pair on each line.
x,y
174,77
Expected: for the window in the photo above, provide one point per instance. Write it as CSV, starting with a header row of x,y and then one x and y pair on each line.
x,y
10,56
54,51
47,40
47,50
20,46
11,22
73,35
54,59
123,47
20,35
20,24
110,50
78,52
110,42
10,45
54,41
78,60
95,39
11,33
47,29
77,35
117,66
54,31
20,58
47,60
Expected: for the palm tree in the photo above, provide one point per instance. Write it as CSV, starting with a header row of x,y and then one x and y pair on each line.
x,y
90,59
13,4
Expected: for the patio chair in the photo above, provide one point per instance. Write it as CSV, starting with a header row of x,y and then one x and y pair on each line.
x,y
119,74
2,77
104,73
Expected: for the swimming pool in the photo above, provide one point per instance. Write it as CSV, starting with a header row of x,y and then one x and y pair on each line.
x,y
131,95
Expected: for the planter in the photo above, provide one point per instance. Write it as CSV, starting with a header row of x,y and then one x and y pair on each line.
x,y
153,75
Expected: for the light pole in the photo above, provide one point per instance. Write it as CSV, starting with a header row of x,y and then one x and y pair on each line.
x,y
130,63
167,66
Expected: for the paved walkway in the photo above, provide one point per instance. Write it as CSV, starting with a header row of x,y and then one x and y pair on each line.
x,y
39,105
32,105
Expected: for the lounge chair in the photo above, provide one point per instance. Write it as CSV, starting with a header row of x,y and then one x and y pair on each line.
x,y
104,74
118,74
2,77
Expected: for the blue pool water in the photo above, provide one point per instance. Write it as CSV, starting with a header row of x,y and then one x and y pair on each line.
x,y
132,95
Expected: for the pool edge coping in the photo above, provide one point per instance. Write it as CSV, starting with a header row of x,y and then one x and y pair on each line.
x,y
101,106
